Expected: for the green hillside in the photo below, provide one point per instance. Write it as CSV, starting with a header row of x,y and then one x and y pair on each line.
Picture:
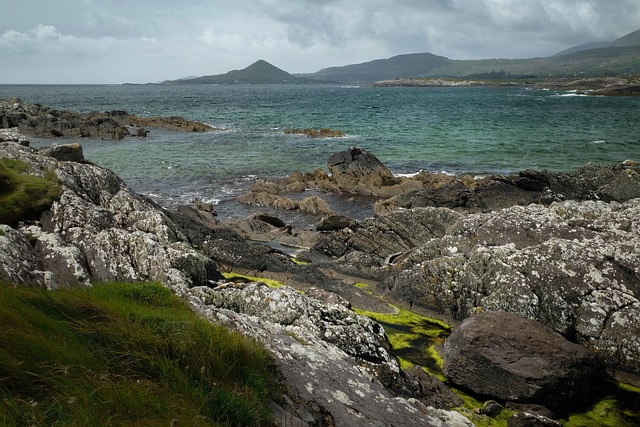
x,y
260,72
398,66
619,57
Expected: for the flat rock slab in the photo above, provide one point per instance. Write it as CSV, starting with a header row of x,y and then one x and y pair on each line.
x,y
512,358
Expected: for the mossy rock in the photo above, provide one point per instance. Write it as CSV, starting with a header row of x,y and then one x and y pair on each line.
x,y
23,196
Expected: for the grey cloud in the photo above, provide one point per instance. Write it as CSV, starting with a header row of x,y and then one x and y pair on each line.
x,y
213,36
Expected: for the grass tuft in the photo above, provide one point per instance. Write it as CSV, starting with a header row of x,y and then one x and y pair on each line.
x,y
23,196
125,354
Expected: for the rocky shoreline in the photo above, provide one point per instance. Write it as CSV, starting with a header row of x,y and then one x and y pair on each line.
x,y
560,252
41,121
602,86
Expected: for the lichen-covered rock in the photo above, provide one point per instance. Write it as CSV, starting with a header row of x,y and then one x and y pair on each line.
x,y
65,261
574,266
511,358
100,230
64,152
12,134
331,358
18,261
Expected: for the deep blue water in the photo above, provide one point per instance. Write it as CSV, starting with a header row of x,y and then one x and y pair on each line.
x,y
458,130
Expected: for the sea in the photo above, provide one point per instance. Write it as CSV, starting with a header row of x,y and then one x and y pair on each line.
x,y
456,130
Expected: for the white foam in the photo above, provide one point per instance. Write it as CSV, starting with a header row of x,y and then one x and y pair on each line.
x,y
413,174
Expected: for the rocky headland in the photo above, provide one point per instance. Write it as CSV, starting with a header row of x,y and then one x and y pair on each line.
x,y
41,121
558,255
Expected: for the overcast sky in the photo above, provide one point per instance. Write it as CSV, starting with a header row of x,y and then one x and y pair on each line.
x,y
139,41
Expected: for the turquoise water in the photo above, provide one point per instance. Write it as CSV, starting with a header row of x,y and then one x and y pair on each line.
x,y
458,130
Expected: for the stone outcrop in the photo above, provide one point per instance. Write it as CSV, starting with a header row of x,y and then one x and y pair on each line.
x,y
511,358
176,123
599,86
337,365
573,266
37,120
593,182
358,172
64,152
11,134
570,265
329,356
426,82
99,231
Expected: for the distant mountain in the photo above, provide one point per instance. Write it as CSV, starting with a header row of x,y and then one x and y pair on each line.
x,y
260,72
381,69
631,39
621,56
585,46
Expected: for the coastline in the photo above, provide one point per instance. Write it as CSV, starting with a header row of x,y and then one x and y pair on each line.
x,y
422,252
606,86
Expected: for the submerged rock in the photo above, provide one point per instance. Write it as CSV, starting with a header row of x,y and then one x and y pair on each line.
x,y
317,133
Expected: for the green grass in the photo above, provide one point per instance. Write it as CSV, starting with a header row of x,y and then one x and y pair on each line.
x,y
125,354
480,420
24,196
614,404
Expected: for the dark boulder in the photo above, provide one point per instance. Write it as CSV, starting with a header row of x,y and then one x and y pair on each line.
x,y
512,358
269,219
358,171
334,222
